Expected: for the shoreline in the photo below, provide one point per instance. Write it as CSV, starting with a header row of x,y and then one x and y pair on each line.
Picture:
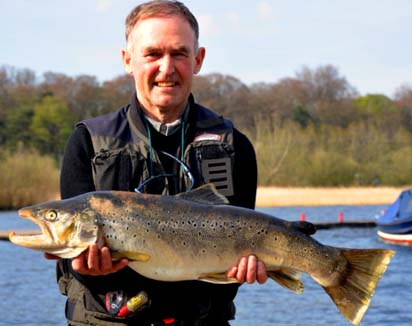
x,y
326,196
273,196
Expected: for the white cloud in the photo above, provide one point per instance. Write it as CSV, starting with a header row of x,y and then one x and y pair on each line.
x,y
264,10
104,5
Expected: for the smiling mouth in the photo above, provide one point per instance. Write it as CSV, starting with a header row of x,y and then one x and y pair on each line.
x,y
165,84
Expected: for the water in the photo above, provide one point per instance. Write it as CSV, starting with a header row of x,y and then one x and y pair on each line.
x,y
29,294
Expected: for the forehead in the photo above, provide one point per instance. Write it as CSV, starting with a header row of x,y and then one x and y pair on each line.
x,y
163,32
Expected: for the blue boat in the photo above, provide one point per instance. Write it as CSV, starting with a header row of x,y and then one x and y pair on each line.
x,y
395,224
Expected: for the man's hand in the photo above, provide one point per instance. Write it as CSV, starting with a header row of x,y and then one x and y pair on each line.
x,y
95,261
249,269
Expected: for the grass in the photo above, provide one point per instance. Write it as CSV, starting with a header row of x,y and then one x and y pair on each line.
x,y
27,178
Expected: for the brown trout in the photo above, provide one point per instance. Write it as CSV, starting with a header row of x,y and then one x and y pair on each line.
x,y
197,236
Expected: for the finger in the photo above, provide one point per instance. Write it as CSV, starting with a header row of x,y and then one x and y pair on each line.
x,y
78,263
261,273
251,269
232,272
119,265
106,264
242,269
93,259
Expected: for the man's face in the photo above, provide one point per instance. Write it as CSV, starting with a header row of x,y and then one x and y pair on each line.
x,y
162,57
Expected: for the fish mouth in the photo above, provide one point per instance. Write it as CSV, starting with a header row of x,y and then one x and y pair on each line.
x,y
34,239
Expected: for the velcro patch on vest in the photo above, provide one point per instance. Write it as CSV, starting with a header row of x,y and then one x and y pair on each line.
x,y
208,136
219,172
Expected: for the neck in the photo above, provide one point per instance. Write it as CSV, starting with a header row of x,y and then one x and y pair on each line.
x,y
164,115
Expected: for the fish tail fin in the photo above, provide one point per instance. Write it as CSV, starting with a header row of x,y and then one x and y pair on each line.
x,y
365,268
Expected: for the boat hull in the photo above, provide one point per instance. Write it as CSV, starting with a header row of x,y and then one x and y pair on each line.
x,y
402,227
398,239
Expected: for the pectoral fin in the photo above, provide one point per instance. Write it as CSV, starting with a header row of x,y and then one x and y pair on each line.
x,y
288,278
218,278
131,255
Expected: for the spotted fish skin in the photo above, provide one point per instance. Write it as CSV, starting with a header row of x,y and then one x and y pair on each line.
x,y
205,237
197,236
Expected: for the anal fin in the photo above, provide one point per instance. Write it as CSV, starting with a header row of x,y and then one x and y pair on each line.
x,y
288,278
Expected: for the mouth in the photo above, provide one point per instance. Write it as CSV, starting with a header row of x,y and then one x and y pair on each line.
x,y
34,239
29,239
165,84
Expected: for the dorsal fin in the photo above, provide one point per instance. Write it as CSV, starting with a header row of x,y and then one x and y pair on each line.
x,y
304,227
206,194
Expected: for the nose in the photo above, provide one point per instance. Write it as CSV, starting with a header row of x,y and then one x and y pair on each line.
x,y
25,212
166,64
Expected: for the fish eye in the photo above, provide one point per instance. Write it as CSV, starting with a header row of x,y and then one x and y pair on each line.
x,y
51,215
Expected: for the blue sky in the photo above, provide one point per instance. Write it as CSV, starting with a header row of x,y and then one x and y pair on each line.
x,y
369,41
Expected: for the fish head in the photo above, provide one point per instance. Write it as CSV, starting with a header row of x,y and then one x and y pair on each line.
x,y
66,228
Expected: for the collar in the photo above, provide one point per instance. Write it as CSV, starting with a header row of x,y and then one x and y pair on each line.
x,y
168,129
137,116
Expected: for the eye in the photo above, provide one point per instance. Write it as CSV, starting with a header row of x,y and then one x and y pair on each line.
x,y
180,54
51,216
152,55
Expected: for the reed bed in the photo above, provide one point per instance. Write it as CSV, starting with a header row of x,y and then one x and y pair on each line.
x,y
27,178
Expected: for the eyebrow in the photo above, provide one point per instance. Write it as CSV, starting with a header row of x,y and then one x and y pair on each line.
x,y
181,48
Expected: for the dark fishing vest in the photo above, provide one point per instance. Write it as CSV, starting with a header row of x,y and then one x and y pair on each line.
x,y
122,153
121,162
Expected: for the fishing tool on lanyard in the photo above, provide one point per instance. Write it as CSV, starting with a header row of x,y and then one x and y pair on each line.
x,y
184,167
118,305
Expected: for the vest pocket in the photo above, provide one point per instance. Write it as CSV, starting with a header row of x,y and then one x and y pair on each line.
x,y
115,169
83,308
212,162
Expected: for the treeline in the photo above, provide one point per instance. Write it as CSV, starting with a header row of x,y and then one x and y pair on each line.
x,y
314,129
309,129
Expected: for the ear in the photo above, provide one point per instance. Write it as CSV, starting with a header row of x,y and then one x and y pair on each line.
x,y
200,56
127,61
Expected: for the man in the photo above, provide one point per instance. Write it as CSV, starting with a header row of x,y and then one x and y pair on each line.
x,y
126,149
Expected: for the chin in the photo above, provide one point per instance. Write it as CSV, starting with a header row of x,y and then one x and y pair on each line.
x,y
168,102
